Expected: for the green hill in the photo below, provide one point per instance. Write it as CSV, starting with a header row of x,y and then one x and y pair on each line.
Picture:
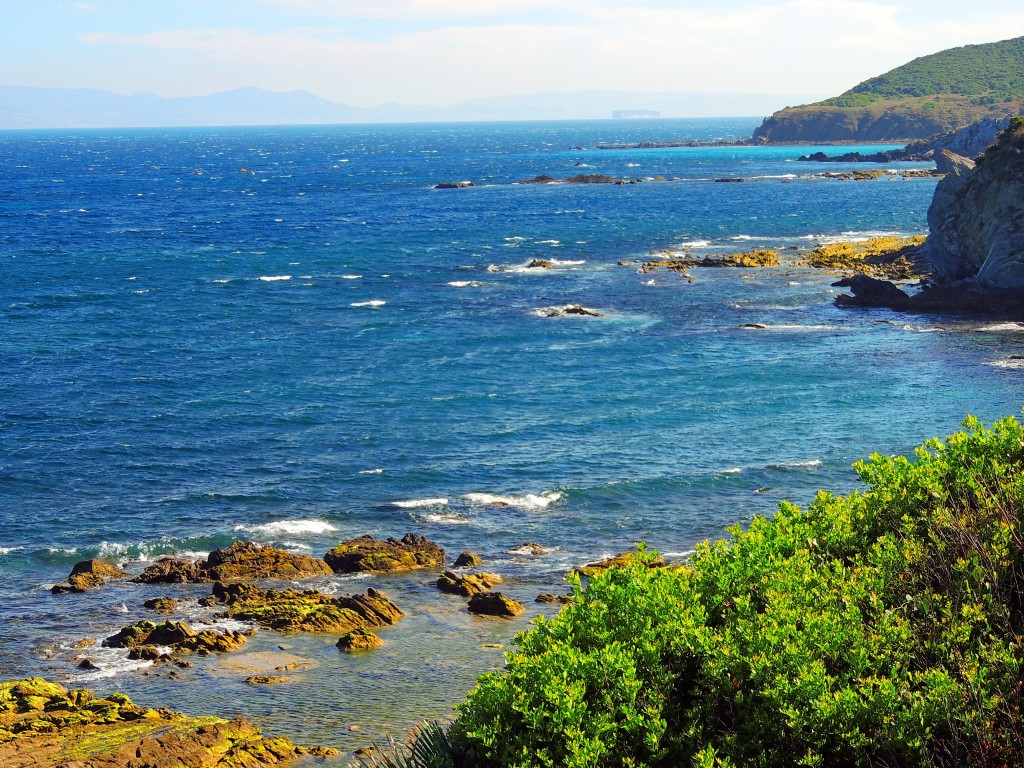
x,y
929,95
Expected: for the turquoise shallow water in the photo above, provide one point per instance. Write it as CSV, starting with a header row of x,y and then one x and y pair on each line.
x,y
288,335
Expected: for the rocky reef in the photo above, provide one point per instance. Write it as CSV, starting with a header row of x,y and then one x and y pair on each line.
x,y
292,610
681,262
45,724
87,575
367,554
895,258
145,636
242,560
469,584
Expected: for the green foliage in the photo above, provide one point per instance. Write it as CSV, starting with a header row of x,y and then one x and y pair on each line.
x,y
992,69
879,628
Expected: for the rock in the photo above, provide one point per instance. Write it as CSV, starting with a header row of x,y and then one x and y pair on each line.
x,y
292,610
367,554
547,597
754,326
871,292
266,679
621,560
569,309
85,642
730,180
540,264
161,604
530,548
759,257
468,559
359,640
495,604
87,575
454,185
241,560
43,723
88,665
467,585
178,636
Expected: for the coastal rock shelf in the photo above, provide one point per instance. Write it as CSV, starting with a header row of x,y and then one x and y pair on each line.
x,y
242,560
367,554
42,723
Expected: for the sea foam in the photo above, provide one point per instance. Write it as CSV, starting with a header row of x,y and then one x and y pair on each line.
x,y
418,503
524,501
293,527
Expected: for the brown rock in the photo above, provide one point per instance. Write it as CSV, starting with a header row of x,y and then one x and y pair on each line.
x,y
161,604
547,597
530,548
468,559
359,640
467,585
87,575
178,636
266,679
496,604
241,560
620,560
540,264
292,610
367,554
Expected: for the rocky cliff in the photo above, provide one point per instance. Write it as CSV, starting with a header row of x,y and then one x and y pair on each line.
x,y
976,219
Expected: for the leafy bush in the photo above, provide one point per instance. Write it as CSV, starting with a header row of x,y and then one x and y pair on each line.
x,y
879,628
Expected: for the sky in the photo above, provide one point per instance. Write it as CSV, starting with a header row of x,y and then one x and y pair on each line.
x,y
438,52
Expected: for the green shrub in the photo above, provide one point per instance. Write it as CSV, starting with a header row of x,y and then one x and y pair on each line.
x,y
879,628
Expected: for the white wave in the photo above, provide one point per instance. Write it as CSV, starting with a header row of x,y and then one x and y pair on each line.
x,y
417,503
742,237
797,464
110,662
371,303
922,328
8,550
292,527
351,277
516,239
445,519
693,244
274,278
732,471
684,553
1009,362
525,501
798,327
1002,328
630,165
222,282
549,242
527,550
465,284
377,471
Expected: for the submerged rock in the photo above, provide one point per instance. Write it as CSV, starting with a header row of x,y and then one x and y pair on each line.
x,y
359,640
87,575
540,264
367,554
242,560
266,679
467,585
42,723
454,185
292,610
161,604
569,309
496,604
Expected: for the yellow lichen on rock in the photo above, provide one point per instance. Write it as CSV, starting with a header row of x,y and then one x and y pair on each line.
x,y
890,257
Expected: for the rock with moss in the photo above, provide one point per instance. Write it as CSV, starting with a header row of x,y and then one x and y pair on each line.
x,y
45,724
293,610
760,257
468,584
87,575
893,258
243,560
496,604
367,554
621,560
467,559
161,604
359,640
176,635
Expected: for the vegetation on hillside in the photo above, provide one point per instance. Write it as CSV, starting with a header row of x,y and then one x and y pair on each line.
x,y
991,73
881,628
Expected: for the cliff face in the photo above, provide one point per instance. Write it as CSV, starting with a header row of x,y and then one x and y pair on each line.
x,y
976,219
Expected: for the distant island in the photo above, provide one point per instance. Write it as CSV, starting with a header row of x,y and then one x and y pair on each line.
x,y
928,96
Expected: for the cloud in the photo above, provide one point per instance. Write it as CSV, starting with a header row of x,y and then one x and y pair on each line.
x,y
799,46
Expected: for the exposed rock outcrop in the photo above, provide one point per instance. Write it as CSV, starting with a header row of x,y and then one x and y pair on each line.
x,y
367,554
569,309
176,635
468,559
42,723
468,584
292,610
87,575
359,640
620,560
496,604
242,560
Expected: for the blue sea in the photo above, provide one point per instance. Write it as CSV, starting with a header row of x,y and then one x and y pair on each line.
x,y
288,335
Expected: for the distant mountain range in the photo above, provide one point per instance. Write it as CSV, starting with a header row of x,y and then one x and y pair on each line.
x,y
22,107
930,95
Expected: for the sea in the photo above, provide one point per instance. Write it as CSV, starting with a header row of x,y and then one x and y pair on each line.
x,y
288,335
